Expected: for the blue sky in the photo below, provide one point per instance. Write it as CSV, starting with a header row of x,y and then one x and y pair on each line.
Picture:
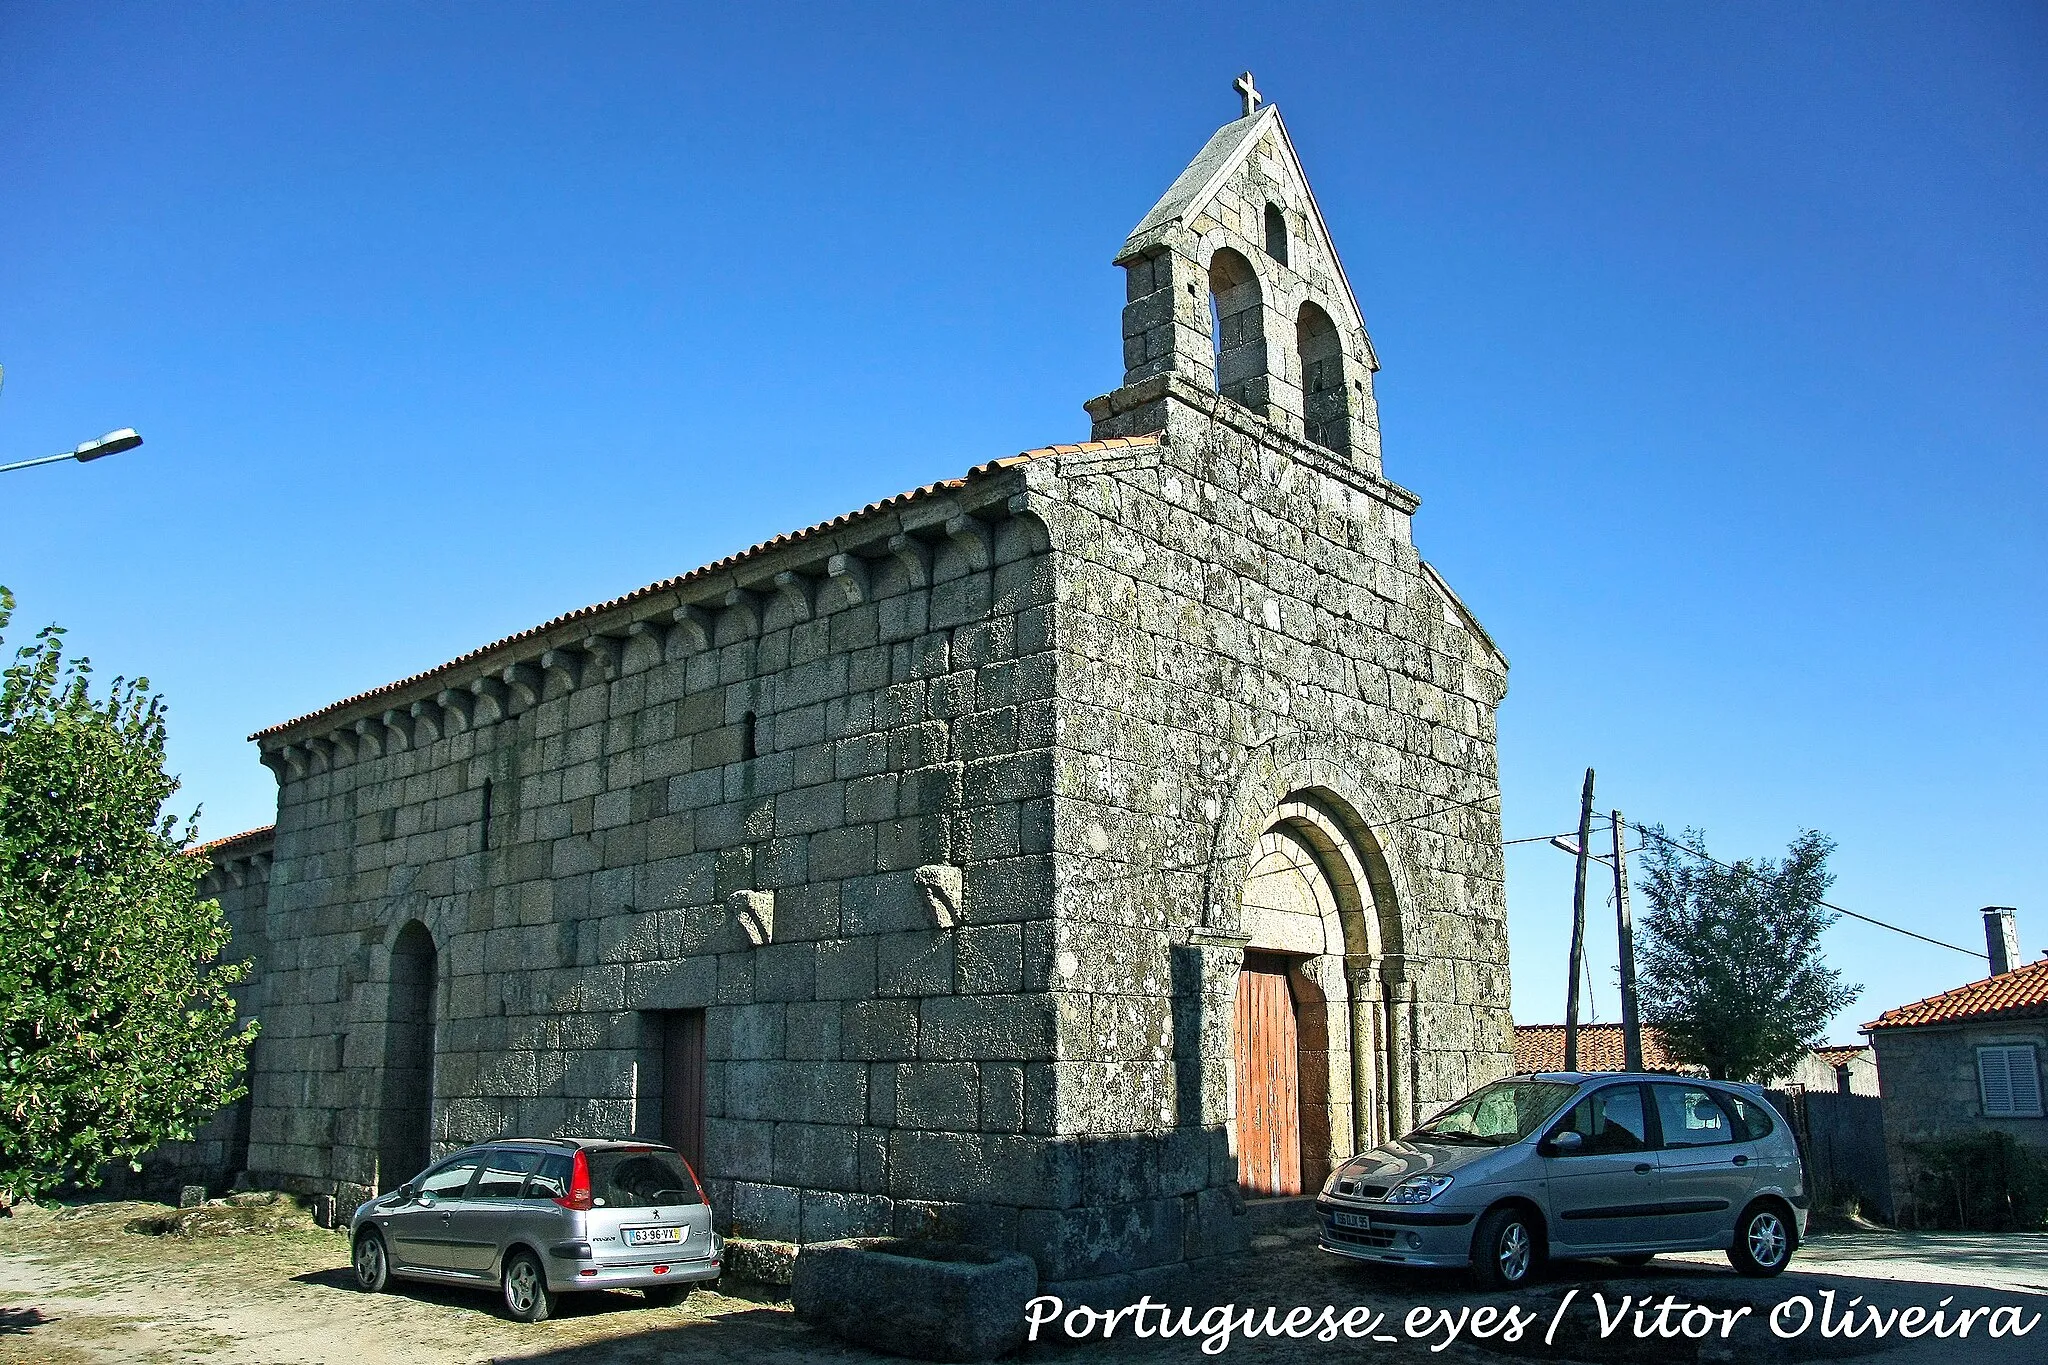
x,y
1713,340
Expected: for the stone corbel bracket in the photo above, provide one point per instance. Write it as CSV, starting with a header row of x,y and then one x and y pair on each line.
x,y
849,573
693,628
916,558
523,684
970,536
795,590
941,886
755,912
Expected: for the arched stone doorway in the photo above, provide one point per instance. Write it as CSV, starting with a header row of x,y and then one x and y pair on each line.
x,y
1310,1039
405,1116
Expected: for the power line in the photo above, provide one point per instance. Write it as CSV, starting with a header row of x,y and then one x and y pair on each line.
x,y
1666,839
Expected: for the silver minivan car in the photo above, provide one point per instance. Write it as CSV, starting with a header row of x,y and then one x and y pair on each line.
x,y
1568,1165
537,1217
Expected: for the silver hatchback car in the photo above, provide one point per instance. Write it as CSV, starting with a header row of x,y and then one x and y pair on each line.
x,y
540,1217
1568,1165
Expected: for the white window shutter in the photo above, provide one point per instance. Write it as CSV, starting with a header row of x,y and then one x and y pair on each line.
x,y
2026,1081
2009,1081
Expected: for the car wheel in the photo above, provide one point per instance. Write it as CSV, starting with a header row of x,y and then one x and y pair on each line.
x,y
372,1262
1505,1250
527,1296
1635,1260
1764,1241
666,1295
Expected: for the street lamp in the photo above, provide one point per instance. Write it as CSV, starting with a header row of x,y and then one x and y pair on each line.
x,y
113,443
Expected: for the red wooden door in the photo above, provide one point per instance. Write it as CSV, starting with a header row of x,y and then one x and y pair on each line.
x,y
682,1085
1268,1084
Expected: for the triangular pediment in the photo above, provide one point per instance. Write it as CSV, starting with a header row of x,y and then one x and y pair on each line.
x,y
1250,152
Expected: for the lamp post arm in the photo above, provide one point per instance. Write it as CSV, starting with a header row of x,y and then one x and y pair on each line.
x,y
47,459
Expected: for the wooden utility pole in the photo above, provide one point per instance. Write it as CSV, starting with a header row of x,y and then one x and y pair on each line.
x,y
1631,1026
1571,994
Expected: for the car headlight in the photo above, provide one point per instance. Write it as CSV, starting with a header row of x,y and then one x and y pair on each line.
x,y
1418,1189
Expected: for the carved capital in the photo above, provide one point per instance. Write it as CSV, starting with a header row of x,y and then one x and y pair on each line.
x,y
755,912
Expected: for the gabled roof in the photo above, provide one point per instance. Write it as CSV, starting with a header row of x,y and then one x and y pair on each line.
x,y
727,564
1194,187
1185,197
2021,993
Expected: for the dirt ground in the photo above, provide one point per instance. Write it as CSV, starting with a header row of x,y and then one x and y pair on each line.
x,y
258,1284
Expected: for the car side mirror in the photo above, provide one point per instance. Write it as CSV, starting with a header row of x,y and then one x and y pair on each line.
x,y
407,1192
1567,1142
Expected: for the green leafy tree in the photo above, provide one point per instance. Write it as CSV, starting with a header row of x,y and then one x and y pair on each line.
x,y
117,1030
1729,957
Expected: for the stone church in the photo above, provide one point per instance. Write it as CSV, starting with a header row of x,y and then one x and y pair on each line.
x,y
1051,857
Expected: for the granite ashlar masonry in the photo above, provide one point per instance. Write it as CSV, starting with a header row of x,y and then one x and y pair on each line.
x,y
941,834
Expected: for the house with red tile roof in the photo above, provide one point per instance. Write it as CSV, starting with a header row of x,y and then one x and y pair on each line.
x,y
1850,1069
1968,1060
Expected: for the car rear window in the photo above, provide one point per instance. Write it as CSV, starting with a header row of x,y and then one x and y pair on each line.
x,y
638,1178
550,1178
504,1172
1752,1117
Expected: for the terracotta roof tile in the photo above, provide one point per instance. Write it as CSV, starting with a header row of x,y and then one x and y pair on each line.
x,y
1540,1047
2018,994
729,562
234,844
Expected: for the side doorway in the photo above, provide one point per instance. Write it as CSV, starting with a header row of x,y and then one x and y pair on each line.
x,y
1267,1043
681,1037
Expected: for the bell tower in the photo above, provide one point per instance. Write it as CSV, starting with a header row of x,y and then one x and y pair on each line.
x,y
1234,291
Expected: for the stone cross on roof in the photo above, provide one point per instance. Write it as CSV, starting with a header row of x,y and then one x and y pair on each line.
x,y
1244,87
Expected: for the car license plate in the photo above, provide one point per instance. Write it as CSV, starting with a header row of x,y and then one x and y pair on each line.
x,y
1353,1220
647,1237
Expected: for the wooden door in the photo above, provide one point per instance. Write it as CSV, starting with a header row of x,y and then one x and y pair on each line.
x,y
682,1085
1268,1083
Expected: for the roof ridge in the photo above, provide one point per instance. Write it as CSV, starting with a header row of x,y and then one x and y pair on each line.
x,y
730,561
2003,983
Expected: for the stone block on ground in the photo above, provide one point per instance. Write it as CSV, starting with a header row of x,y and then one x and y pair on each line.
x,y
758,1262
925,1300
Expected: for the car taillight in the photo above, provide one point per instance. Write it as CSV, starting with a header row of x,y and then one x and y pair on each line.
x,y
578,1197
692,1172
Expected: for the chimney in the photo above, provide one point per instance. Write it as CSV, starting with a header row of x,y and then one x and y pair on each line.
x,y
2001,938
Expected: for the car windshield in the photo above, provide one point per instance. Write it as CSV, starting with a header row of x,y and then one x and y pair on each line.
x,y
639,1178
1501,1113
